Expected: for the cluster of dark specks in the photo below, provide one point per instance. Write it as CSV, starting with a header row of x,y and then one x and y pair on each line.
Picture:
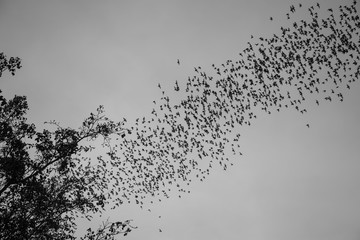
x,y
308,61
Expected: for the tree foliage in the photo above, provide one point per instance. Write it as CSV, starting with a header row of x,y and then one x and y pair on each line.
x,y
45,179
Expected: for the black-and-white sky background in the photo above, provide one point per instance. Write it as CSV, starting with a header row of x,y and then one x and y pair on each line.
x,y
293,181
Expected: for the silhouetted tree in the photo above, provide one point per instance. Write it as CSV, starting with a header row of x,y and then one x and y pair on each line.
x,y
45,179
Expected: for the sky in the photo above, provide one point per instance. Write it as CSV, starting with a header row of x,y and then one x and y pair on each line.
x,y
292,182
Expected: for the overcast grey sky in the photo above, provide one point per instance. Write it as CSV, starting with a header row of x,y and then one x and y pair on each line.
x,y
293,182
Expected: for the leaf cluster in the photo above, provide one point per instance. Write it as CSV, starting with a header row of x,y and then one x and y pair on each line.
x,y
46,182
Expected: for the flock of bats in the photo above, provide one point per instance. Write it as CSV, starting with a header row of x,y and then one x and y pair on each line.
x,y
312,60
